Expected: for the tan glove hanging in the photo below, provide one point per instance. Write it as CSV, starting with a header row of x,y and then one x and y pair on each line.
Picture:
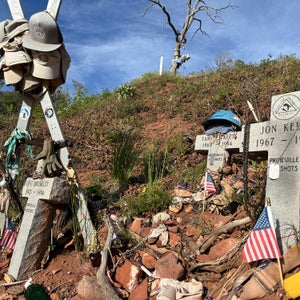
x,y
51,165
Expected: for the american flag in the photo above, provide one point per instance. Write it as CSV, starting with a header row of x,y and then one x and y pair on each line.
x,y
209,185
9,236
262,242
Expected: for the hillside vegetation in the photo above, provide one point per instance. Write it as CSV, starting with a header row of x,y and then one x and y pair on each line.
x,y
132,146
159,114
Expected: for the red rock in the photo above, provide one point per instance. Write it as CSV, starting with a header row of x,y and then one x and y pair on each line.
x,y
85,268
141,292
136,225
237,233
54,296
179,192
169,222
227,186
208,218
174,239
144,231
128,275
222,247
220,221
188,208
202,258
149,261
176,208
168,266
179,220
152,240
238,185
173,229
192,231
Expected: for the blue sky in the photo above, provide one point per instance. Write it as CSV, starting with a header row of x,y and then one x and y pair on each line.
x,y
111,44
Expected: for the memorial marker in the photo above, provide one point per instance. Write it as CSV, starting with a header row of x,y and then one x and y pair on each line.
x,y
219,147
280,137
34,234
29,100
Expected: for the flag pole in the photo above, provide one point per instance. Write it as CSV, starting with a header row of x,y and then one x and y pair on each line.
x,y
278,258
280,271
205,184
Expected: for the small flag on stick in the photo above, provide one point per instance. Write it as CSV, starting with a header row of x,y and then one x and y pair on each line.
x,y
209,185
262,242
9,236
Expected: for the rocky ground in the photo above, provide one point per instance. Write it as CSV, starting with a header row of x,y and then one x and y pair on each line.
x,y
194,240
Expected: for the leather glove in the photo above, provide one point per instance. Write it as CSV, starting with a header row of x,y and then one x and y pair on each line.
x,y
51,165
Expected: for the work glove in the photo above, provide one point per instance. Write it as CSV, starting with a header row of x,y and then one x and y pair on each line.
x,y
51,165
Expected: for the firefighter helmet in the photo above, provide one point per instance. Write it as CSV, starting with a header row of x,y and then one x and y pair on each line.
x,y
222,117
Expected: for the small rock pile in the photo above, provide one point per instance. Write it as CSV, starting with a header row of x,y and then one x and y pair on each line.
x,y
173,245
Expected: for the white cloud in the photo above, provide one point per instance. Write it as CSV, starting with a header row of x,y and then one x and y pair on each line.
x,y
127,58
111,43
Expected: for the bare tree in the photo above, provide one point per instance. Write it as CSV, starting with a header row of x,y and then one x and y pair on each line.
x,y
194,9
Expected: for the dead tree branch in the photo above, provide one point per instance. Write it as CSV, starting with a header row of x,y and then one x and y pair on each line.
x,y
214,235
193,10
223,263
164,10
103,281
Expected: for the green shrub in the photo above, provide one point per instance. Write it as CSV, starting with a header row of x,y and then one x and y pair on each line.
x,y
152,199
126,91
192,174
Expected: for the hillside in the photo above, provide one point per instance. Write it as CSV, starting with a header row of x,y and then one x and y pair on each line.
x,y
161,115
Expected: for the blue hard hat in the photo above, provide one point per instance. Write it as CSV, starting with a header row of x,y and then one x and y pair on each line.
x,y
222,117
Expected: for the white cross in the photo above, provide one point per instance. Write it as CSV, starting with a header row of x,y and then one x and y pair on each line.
x,y
34,233
218,147
280,138
34,205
